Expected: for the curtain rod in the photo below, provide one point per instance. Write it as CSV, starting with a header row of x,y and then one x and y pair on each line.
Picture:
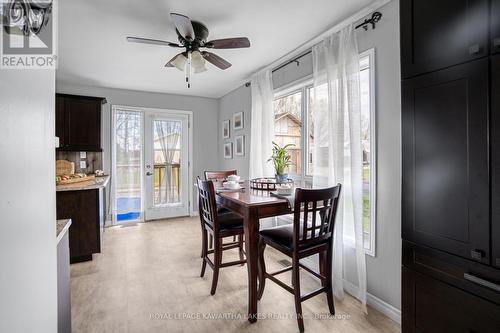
x,y
309,44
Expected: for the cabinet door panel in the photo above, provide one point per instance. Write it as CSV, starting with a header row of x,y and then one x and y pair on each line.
x,y
495,26
60,121
495,157
83,124
432,306
445,160
439,34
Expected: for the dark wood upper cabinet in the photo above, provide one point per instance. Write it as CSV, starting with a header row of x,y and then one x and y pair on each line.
x,y
445,160
495,158
495,26
78,122
439,34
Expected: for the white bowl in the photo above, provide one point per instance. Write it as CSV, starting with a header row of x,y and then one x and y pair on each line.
x,y
234,178
231,185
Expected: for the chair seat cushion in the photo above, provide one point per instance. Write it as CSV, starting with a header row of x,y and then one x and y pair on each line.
x,y
230,220
222,210
281,235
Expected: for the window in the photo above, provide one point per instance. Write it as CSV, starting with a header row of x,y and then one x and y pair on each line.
x,y
294,124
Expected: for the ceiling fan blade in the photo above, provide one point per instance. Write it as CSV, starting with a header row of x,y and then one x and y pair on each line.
x,y
215,60
183,25
151,41
228,43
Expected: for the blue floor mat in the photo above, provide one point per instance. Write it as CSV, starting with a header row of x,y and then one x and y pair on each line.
x,y
129,208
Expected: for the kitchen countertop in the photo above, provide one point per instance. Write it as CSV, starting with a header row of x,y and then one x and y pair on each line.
x,y
62,228
92,184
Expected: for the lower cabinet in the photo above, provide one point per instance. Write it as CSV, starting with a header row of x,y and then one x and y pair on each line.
x,y
430,305
85,208
445,293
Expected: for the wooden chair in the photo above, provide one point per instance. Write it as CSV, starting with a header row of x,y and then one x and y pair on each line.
x,y
219,176
219,226
311,233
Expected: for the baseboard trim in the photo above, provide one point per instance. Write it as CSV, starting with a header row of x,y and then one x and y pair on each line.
x,y
372,300
375,302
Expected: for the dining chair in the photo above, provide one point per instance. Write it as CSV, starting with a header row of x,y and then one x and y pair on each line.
x,y
219,176
219,226
311,233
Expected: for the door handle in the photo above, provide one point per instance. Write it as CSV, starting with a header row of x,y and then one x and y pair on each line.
x,y
149,173
482,282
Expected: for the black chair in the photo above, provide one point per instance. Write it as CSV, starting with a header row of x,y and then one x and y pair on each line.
x,y
219,226
311,233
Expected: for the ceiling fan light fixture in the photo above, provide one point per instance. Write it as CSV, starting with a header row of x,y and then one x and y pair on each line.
x,y
198,62
179,62
200,69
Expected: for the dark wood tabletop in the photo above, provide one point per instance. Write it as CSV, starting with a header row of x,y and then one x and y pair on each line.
x,y
253,205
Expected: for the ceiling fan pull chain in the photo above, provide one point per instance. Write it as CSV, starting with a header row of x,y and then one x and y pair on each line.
x,y
188,69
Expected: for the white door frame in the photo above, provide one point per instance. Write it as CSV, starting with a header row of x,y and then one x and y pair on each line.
x,y
143,111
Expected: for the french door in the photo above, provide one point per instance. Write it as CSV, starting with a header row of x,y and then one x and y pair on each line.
x,y
166,165
150,163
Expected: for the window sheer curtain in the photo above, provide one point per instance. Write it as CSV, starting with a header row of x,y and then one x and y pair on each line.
x,y
168,137
262,125
337,150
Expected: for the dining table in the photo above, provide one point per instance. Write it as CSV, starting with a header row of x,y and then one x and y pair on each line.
x,y
253,205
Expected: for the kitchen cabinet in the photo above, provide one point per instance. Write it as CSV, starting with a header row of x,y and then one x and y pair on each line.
x,y
495,158
78,122
86,209
459,311
451,165
445,160
495,26
438,34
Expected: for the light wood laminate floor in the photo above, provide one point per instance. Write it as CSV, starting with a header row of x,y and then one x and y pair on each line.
x,y
147,280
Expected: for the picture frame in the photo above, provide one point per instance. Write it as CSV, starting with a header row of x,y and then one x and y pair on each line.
x,y
239,145
226,129
238,121
228,150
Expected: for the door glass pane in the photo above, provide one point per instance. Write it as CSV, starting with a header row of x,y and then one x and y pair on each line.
x,y
167,161
128,155
288,127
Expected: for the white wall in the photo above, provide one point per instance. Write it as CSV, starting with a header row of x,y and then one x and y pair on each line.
x,y
384,270
205,118
28,277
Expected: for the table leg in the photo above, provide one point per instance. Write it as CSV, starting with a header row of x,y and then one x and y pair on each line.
x,y
251,226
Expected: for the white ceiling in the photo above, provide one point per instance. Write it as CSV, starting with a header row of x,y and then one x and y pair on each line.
x,y
93,50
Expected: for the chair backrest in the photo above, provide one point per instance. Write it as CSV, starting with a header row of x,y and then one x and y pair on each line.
x,y
207,204
219,175
314,215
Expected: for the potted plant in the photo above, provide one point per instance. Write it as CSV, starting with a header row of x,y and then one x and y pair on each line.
x,y
281,160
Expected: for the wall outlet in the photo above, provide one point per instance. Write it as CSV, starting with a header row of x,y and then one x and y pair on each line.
x,y
83,154
83,165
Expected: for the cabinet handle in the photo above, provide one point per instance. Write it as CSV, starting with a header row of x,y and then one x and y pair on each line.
x,y
496,42
482,282
477,254
474,49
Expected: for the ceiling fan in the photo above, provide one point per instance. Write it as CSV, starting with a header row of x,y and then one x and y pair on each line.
x,y
192,37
